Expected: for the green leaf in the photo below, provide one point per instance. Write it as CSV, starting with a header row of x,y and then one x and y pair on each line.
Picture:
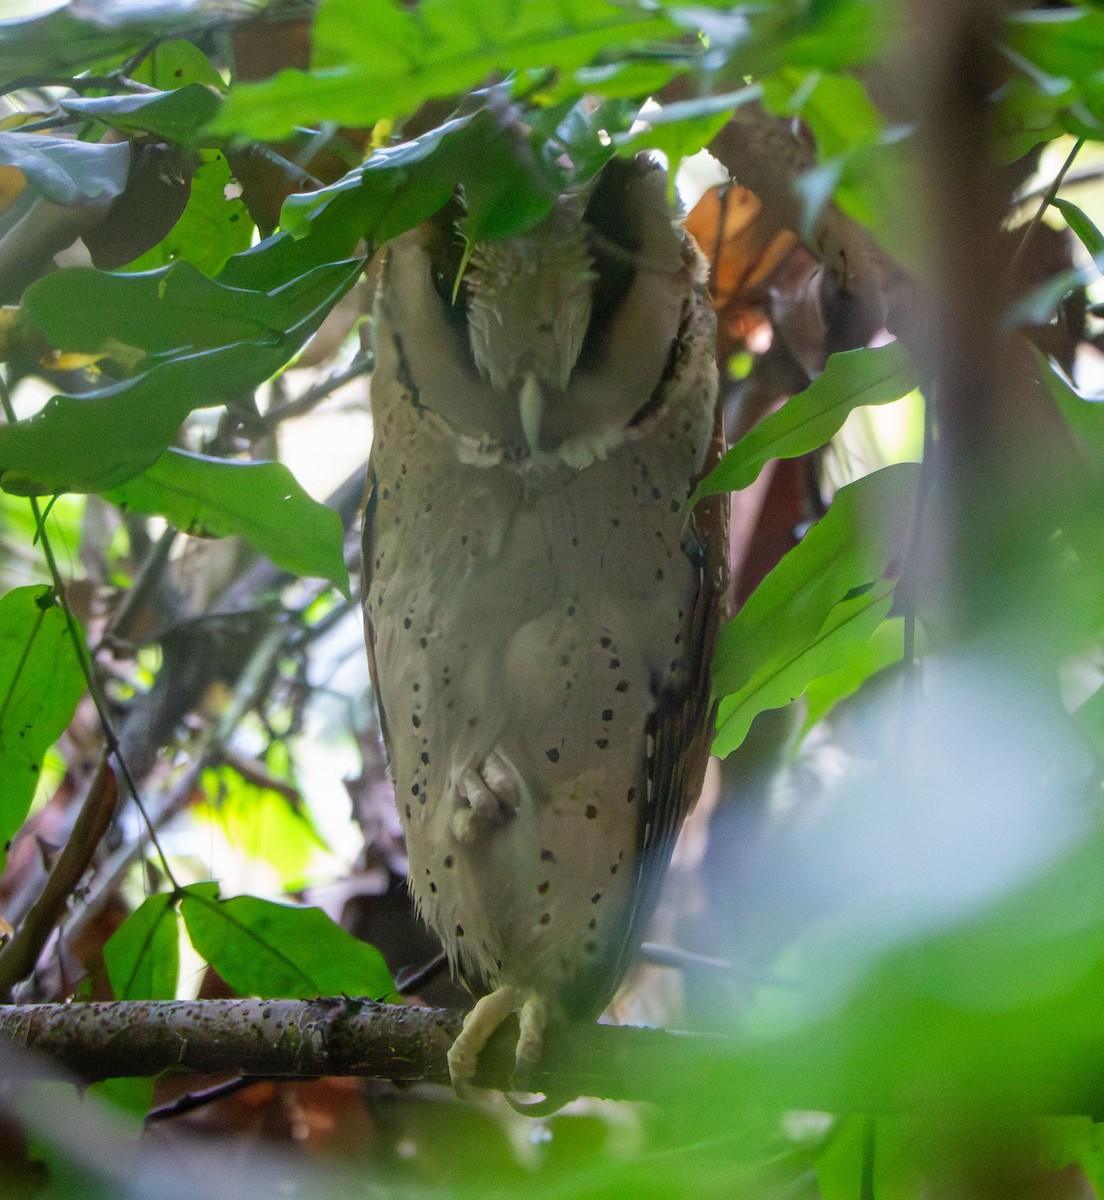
x,y
376,58
67,171
506,187
1084,417
1090,237
261,502
174,116
884,648
40,683
273,950
212,227
176,311
99,441
828,595
142,956
850,379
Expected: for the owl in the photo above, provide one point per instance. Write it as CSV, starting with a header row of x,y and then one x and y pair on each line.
x,y
540,600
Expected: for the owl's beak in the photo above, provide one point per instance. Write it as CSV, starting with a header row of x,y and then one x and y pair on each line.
x,y
531,410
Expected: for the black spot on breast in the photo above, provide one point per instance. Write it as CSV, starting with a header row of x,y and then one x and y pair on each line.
x,y
607,714
591,812
553,755
601,743
459,930
547,856
543,887
546,918
450,861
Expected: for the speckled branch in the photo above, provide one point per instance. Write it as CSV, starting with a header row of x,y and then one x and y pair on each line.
x,y
305,1038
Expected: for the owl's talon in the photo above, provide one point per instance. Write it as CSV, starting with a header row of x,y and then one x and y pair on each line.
x,y
487,795
479,1026
532,1017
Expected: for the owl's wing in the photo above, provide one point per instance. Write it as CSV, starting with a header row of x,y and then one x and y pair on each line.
x,y
683,723
367,558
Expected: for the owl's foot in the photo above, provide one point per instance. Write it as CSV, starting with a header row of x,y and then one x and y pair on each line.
x,y
484,1019
486,795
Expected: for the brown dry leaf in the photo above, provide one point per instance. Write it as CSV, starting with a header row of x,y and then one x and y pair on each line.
x,y
745,248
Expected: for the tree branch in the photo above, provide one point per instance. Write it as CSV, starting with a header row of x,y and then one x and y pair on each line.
x,y
308,1038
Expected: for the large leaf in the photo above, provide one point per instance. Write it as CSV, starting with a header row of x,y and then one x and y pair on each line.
x,y
850,379
40,683
142,956
261,502
105,437
827,595
65,170
378,58
273,950
506,187
174,311
174,116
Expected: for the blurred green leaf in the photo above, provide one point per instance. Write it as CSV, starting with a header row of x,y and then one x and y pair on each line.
x,y
99,441
67,171
273,950
1088,234
883,649
174,116
59,41
835,107
174,63
142,956
827,596
1084,417
40,683
850,379
261,502
377,58
264,825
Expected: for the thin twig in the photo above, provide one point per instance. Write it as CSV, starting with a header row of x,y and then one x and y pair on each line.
x,y
18,957
361,365
110,735
1047,199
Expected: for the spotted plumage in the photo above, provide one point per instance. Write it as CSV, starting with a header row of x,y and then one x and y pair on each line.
x,y
540,603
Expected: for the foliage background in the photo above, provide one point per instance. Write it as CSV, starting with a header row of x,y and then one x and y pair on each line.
x,y
893,887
